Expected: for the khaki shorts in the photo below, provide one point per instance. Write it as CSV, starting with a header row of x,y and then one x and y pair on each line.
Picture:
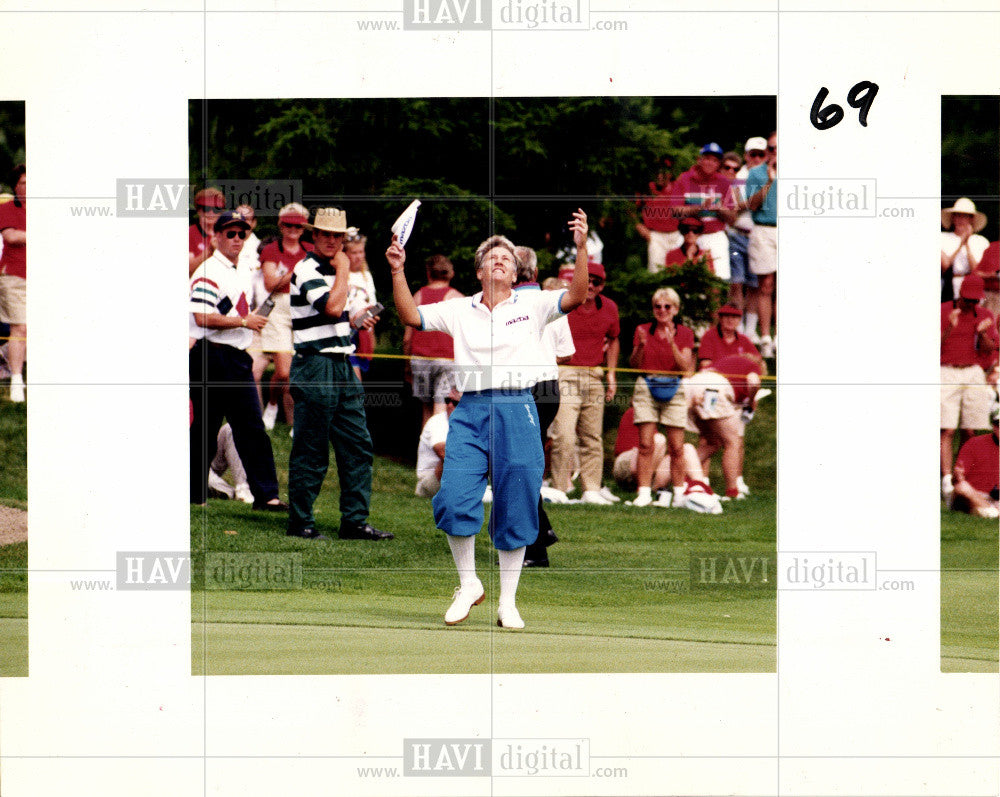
x,y
966,396
710,396
12,299
277,335
763,250
649,410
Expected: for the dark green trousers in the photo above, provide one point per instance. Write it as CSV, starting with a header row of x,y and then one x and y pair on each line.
x,y
329,410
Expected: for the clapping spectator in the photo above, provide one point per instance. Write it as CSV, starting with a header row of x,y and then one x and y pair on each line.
x,y
208,204
663,349
689,251
961,248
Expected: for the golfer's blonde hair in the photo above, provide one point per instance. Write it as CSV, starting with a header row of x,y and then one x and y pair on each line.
x,y
492,243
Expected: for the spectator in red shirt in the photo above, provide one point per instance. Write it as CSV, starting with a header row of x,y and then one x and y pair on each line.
x,y
430,369
724,338
278,260
664,350
989,270
658,227
690,228
967,331
706,192
208,204
977,481
595,327
14,279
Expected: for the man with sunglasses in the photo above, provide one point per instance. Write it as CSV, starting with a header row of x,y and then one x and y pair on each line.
x,y
220,370
329,398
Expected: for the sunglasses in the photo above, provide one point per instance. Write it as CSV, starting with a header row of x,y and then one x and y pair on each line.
x,y
772,149
290,226
597,282
727,168
241,234
756,153
661,306
451,401
685,229
207,209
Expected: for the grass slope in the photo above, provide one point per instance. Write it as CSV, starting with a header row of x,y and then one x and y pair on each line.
x,y
13,558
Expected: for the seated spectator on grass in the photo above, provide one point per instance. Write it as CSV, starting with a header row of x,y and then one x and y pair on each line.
x,y
724,338
961,247
431,448
721,399
689,251
663,350
430,367
976,480
626,467
967,332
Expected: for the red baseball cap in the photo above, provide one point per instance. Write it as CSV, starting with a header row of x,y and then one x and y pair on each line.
x,y
972,288
210,198
595,269
730,309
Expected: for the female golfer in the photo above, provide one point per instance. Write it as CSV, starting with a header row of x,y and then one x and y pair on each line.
x,y
494,429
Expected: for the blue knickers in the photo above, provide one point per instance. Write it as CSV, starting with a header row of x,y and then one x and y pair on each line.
x,y
492,433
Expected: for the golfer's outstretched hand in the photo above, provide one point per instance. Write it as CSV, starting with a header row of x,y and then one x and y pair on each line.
x,y
396,256
578,224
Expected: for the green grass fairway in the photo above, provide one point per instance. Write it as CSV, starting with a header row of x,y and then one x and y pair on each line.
x,y
969,588
617,598
13,558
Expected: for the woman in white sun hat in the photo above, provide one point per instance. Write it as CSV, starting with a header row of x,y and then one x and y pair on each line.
x,y
961,247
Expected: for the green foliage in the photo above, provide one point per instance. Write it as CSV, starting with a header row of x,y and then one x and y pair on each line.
x,y
970,155
11,140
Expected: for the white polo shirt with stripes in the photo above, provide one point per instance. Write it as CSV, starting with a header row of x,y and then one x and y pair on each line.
x,y
218,286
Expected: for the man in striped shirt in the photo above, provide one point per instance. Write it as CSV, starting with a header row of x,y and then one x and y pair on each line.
x,y
219,367
329,399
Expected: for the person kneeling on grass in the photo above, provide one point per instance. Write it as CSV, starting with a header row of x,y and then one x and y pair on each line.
x,y
494,428
431,448
977,473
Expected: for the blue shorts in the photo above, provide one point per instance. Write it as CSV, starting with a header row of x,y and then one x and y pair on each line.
x,y
492,433
739,260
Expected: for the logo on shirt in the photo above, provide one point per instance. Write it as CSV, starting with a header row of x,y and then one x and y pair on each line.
x,y
516,320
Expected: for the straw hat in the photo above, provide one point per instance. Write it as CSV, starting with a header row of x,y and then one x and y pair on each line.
x,y
331,220
964,205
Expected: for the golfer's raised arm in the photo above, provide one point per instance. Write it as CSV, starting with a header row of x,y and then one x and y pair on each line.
x,y
405,306
577,293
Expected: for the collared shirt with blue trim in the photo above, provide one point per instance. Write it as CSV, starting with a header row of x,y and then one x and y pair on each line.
x,y
313,331
498,349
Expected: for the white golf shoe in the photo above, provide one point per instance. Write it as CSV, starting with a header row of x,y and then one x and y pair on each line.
x,y
463,601
509,617
594,497
219,485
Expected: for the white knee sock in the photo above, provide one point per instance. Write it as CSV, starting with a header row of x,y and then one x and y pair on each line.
x,y
510,574
463,551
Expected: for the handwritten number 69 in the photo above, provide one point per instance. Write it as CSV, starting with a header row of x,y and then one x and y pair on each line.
x,y
861,96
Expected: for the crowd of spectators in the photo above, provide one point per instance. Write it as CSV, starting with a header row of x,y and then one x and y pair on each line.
x,y
970,341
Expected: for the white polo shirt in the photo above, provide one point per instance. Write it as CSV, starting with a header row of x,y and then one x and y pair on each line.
x,y
557,341
217,286
499,349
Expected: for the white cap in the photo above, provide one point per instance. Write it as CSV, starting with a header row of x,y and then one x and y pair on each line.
x,y
755,143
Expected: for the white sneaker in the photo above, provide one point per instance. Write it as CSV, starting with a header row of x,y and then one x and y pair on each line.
x,y
742,487
242,493
664,498
17,389
607,495
270,415
509,617
766,346
553,496
946,488
488,495
219,485
463,601
642,500
988,512
594,497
